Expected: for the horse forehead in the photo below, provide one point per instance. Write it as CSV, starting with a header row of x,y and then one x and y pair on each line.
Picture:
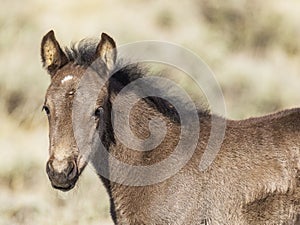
x,y
68,75
62,88
67,78
68,81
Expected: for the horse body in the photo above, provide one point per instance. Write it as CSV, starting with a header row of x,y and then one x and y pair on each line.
x,y
254,178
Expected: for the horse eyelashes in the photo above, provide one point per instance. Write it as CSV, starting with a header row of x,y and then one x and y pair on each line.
x,y
46,109
99,112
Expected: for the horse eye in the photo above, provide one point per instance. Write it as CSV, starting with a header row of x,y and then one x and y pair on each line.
x,y
46,109
98,112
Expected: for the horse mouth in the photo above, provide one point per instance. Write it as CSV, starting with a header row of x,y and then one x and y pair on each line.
x,y
66,186
63,188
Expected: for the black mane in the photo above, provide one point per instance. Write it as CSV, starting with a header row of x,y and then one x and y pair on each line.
x,y
83,54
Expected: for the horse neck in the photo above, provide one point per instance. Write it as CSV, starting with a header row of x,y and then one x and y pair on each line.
x,y
139,118
124,197
128,201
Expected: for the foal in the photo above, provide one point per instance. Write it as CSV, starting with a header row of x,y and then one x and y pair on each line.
x,y
254,178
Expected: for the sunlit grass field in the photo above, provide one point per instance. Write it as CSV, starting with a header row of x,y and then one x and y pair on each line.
x,y
253,48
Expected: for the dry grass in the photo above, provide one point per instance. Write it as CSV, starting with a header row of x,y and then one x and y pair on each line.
x,y
252,46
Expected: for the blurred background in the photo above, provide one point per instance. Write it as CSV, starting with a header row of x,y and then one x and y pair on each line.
x,y
253,47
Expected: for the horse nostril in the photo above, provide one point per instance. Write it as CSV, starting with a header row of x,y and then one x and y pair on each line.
x,y
71,171
49,167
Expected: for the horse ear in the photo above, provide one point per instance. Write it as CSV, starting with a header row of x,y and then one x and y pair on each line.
x,y
52,55
107,51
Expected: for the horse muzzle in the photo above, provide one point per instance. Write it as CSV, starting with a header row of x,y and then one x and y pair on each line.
x,y
62,174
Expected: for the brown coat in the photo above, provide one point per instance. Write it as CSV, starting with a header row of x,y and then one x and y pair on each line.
x,y
253,180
